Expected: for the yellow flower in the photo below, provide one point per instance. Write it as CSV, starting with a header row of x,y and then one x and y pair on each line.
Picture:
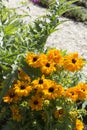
x,y
53,90
11,96
22,88
55,56
32,59
48,67
79,124
42,59
23,76
15,113
72,93
41,82
72,62
82,91
59,113
36,103
38,84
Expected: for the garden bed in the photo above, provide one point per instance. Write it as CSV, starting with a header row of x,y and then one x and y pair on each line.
x,y
18,67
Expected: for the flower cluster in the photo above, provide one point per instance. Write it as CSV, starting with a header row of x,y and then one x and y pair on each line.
x,y
48,102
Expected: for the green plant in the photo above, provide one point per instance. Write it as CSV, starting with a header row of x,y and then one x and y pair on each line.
x,y
11,38
46,93
18,38
79,13
82,3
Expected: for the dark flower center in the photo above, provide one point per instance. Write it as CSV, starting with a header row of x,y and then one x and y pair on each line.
x,y
61,111
40,81
22,87
73,61
12,95
72,93
51,89
34,59
47,65
82,89
19,71
35,102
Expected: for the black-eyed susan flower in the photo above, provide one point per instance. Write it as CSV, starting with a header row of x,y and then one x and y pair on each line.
x,y
23,76
48,67
15,113
22,88
32,59
38,84
53,90
55,56
79,125
11,96
82,91
59,113
36,103
72,93
42,59
73,62
41,82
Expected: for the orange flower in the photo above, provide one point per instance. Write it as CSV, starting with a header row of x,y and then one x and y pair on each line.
x,y
22,88
72,93
11,96
36,103
53,90
59,113
39,84
82,91
55,56
79,125
48,67
42,59
32,59
72,62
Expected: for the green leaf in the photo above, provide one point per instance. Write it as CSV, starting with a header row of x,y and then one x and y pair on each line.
x,y
9,126
8,83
